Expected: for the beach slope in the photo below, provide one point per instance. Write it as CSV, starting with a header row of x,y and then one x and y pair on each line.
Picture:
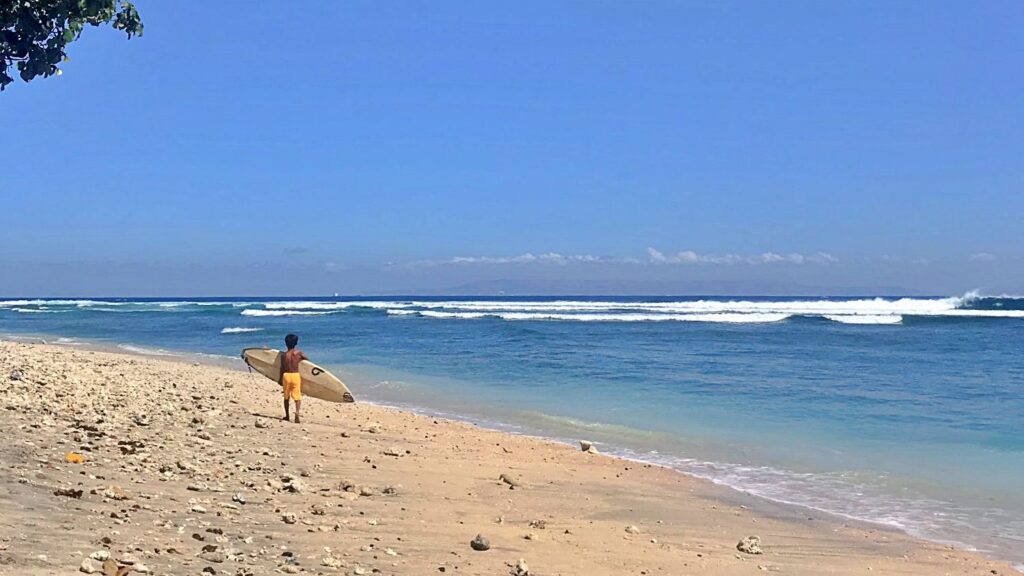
x,y
187,469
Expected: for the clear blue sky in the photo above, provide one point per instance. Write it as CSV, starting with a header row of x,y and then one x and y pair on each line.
x,y
362,146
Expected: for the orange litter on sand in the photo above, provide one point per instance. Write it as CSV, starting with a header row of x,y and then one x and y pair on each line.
x,y
74,458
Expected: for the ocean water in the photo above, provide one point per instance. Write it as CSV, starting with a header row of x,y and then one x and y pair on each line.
x,y
907,412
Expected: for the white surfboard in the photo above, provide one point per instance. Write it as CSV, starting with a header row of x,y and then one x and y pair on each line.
x,y
316,381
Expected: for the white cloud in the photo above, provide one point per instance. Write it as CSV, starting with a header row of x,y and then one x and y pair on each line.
x,y
690,257
822,258
654,256
982,257
527,258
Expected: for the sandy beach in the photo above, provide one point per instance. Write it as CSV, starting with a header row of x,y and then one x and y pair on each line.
x,y
188,469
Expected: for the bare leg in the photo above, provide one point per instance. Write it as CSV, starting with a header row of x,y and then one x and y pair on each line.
x,y
298,405
286,408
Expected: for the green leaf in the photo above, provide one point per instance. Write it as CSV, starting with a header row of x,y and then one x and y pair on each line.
x,y
35,33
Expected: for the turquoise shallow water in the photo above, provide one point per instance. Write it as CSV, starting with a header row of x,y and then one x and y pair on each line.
x,y
907,412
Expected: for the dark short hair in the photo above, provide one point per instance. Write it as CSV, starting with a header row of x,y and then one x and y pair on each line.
x,y
291,340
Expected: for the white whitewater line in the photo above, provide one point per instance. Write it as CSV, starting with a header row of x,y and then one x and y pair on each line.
x,y
832,494
875,306
251,312
239,330
859,311
864,311
304,305
146,351
79,303
743,318
865,319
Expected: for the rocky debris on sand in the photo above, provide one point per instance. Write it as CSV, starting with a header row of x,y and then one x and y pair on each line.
x,y
141,419
750,545
538,524
631,529
512,481
520,568
480,544
330,560
213,556
89,566
68,492
390,490
392,451
238,498
128,447
374,428
115,493
100,555
588,447
366,491
291,483
289,518
260,423
16,376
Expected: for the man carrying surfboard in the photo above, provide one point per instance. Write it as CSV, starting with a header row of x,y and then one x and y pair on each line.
x,y
290,380
315,380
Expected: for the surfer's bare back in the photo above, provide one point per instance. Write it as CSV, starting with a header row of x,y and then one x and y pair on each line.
x,y
290,380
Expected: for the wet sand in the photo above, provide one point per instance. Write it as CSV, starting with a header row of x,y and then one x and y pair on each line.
x,y
188,469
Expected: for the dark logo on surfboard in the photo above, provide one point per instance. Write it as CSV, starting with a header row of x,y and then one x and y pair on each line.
x,y
317,370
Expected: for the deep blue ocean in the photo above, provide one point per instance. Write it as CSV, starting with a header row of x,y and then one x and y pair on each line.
x,y
903,411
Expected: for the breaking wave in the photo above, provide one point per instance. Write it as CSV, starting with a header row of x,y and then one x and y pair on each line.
x,y
864,311
300,305
865,319
727,318
41,310
239,330
78,303
871,307
852,311
252,312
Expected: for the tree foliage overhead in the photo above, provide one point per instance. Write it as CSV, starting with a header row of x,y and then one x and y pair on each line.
x,y
34,33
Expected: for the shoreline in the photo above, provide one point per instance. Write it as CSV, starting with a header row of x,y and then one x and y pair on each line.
x,y
709,495
775,507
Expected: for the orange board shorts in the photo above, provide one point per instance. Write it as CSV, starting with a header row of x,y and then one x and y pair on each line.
x,y
292,382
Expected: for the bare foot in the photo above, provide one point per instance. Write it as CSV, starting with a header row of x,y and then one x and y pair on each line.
x,y
285,418
296,419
